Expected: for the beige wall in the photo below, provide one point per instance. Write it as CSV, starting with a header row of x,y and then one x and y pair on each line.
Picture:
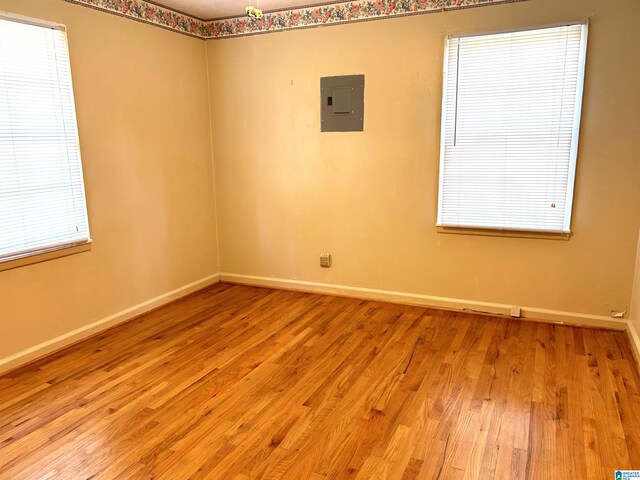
x,y
141,96
286,192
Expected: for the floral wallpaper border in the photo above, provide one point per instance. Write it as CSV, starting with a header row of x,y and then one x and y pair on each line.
x,y
148,12
313,16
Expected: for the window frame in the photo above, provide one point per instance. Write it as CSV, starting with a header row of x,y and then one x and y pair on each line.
x,y
49,252
575,140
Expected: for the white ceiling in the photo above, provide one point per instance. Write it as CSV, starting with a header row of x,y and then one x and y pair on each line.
x,y
208,9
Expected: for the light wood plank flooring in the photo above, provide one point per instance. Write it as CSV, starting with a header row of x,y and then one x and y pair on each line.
x,y
237,382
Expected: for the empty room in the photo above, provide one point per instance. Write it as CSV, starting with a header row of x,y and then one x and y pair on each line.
x,y
278,239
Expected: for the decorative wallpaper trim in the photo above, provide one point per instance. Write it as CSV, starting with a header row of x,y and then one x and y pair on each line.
x,y
151,13
306,17
339,13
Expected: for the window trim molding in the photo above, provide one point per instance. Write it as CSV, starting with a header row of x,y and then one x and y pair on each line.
x,y
495,232
514,29
44,255
36,22
577,118
575,137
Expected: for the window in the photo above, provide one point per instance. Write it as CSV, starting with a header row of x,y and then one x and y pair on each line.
x,y
42,202
510,120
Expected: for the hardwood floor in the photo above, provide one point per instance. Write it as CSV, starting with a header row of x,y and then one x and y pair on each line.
x,y
238,382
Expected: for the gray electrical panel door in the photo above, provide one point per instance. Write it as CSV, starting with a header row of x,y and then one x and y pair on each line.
x,y
342,103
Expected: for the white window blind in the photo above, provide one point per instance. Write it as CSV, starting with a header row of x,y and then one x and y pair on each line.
x,y
42,202
510,120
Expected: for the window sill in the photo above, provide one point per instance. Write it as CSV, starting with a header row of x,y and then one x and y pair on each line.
x,y
44,255
488,232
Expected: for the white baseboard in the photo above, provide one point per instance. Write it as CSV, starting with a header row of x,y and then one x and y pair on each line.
x,y
556,316
542,314
634,338
37,351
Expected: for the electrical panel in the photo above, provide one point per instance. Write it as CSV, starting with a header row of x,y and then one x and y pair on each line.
x,y
342,103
